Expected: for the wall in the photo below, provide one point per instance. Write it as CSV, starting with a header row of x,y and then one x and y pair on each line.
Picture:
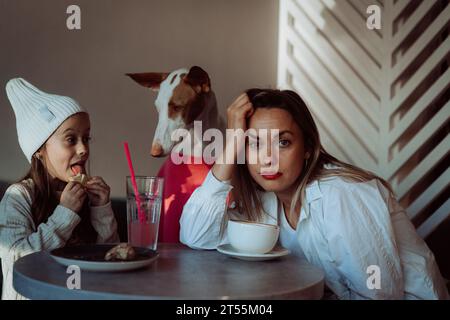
x,y
234,41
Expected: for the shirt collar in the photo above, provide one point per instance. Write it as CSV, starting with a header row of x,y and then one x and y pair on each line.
x,y
312,193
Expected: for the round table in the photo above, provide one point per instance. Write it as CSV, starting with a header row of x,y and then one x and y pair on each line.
x,y
178,273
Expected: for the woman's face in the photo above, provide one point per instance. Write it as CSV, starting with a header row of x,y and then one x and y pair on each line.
x,y
68,147
276,170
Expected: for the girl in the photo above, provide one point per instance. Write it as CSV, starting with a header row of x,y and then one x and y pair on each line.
x,y
340,218
44,211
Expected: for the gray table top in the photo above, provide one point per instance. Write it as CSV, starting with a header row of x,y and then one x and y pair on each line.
x,y
178,273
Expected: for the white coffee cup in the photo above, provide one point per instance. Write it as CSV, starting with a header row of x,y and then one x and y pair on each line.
x,y
252,237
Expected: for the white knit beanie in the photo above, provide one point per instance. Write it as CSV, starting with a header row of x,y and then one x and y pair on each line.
x,y
38,114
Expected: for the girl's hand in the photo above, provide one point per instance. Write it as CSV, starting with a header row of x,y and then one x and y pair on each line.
x,y
73,196
239,111
98,191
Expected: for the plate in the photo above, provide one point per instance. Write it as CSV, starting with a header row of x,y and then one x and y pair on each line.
x,y
277,252
91,258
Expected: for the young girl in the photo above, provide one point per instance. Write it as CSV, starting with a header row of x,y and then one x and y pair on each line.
x,y
340,218
45,211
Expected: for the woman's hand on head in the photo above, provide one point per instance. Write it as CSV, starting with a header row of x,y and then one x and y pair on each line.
x,y
73,196
98,191
238,112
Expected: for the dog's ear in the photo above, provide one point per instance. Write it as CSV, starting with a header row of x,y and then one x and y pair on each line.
x,y
150,80
198,79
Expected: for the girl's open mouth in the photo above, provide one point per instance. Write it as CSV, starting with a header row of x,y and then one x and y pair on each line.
x,y
77,168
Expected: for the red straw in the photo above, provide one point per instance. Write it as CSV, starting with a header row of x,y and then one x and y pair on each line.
x,y
133,182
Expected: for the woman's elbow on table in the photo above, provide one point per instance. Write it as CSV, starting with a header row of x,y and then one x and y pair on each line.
x,y
193,237
198,233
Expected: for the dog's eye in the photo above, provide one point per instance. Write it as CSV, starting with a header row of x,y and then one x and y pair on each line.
x,y
175,107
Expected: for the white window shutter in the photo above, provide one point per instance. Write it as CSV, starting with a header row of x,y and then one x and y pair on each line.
x,y
381,98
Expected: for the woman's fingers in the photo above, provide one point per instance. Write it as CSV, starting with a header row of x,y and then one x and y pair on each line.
x,y
242,96
242,99
239,102
245,110
240,108
251,112
243,103
238,112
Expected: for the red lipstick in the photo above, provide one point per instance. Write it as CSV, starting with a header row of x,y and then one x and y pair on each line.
x,y
272,176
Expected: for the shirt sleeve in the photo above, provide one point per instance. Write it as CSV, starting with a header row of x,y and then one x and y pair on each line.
x,y
104,222
203,213
18,234
361,242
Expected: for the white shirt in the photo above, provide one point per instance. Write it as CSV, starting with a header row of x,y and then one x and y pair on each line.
x,y
288,235
346,228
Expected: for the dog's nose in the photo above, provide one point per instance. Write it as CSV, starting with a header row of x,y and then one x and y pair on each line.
x,y
157,150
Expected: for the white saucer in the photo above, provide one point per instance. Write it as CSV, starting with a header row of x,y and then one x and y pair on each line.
x,y
230,251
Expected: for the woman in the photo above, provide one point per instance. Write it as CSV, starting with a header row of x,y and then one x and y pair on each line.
x,y
340,218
